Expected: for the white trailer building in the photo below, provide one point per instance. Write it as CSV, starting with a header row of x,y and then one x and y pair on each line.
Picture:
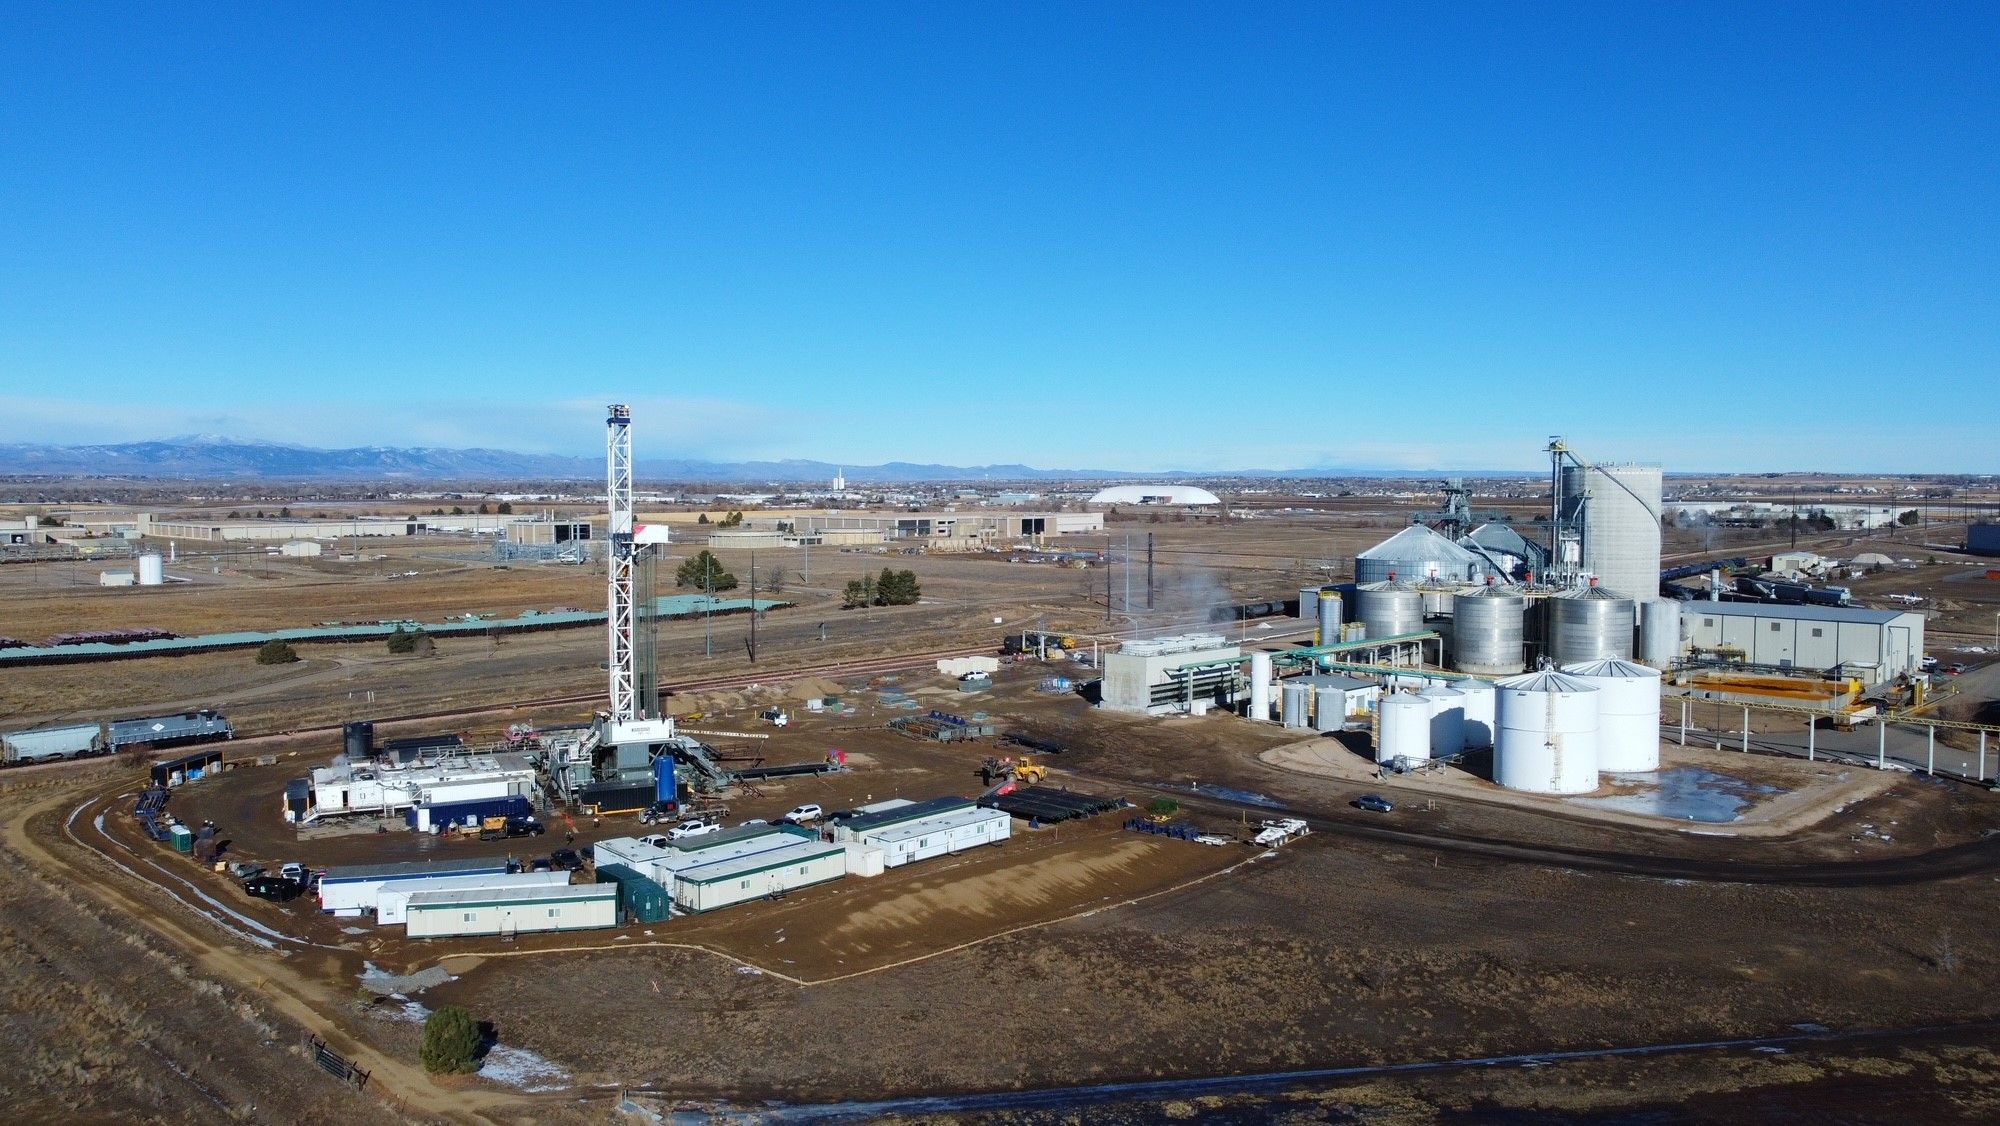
x,y
926,829
740,879
661,863
1875,645
511,911
393,900
356,889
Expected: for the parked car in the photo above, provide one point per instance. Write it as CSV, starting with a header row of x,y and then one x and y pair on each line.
x,y
277,889
656,841
1375,802
693,827
1955,670
540,864
295,872
565,860
804,814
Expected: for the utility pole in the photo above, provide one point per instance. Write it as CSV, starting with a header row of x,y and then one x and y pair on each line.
x,y
707,607
753,607
1107,576
1149,569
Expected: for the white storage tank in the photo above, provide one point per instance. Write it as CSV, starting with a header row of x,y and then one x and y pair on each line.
x,y
1329,708
152,569
1404,723
1447,720
1628,714
1478,706
1660,633
1260,686
1546,740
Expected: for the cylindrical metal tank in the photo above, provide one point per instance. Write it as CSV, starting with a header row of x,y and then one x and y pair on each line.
x,y
151,569
1329,708
1438,597
1660,633
1297,700
1621,524
1590,624
1417,554
1260,687
1546,741
1329,618
1628,714
1447,720
1488,634
357,741
1478,711
1389,609
1405,726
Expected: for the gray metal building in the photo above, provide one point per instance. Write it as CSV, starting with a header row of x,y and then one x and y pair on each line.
x,y
1875,645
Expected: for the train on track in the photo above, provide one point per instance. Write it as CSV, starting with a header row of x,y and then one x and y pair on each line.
x,y
83,740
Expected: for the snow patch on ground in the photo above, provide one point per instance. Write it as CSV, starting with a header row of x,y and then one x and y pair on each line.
x,y
522,1069
375,979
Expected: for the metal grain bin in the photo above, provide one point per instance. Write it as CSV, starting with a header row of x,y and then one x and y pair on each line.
x,y
1488,631
1660,634
1590,624
1296,699
1389,609
1329,618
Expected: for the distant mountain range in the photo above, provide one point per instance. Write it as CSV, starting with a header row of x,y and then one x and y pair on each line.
x,y
209,457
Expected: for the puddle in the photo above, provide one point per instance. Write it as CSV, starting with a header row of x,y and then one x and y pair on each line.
x,y
1226,793
1684,793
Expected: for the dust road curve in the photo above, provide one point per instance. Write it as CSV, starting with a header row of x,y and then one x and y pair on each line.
x,y
1969,859
1275,1082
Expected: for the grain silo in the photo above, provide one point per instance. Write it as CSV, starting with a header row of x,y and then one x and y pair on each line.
x,y
1417,554
1329,618
1628,714
1590,624
1620,505
1389,609
1488,632
1546,739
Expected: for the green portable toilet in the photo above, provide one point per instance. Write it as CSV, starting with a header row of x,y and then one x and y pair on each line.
x,y
640,900
182,837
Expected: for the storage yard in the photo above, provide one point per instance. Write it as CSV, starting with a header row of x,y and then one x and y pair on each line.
x,y
1380,783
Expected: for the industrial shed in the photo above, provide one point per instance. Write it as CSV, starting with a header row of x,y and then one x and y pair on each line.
x,y
393,900
356,889
744,878
1875,645
511,911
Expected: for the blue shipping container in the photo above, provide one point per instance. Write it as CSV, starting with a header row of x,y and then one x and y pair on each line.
x,y
458,812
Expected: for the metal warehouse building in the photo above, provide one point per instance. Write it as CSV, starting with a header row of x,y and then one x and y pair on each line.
x,y
1140,676
510,911
744,878
921,830
1874,645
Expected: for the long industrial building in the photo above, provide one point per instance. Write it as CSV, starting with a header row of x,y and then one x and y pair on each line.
x,y
1873,645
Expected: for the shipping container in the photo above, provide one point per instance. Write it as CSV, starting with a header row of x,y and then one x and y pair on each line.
x,y
46,744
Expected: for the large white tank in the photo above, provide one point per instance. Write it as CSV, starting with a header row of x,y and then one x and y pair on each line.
x,y
1260,686
151,569
1479,703
1488,631
1590,624
1628,714
1297,700
1621,524
1546,739
1660,633
1389,609
1405,725
1447,720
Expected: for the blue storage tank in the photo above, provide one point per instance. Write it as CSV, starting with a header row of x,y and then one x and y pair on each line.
x,y
665,788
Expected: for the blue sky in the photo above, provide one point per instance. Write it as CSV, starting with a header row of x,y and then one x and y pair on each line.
x,y
1145,236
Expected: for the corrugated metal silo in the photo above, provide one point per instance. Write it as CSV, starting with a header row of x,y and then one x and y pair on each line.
x,y
1297,703
1329,618
1488,632
1329,708
1389,609
1621,524
1660,633
1417,554
1590,624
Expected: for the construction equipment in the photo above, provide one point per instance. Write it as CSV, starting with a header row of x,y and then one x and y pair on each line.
x,y
1024,771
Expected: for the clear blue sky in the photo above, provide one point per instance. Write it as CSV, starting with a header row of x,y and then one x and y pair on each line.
x,y
1731,236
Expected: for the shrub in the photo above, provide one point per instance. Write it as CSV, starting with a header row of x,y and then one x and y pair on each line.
x,y
1163,807
276,652
451,1042
405,640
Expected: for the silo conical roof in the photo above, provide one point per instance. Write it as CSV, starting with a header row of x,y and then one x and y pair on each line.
x,y
1595,594
1545,681
1612,667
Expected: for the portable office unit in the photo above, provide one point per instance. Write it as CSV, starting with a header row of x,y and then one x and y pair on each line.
x,y
744,878
511,911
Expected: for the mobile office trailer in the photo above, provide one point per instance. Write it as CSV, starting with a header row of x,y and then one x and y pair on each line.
x,y
356,889
511,911
727,883
47,744
392,902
